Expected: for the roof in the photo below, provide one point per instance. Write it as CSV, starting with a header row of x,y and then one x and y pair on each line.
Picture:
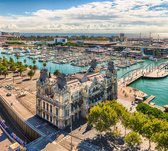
x,y
95,75
74,84
79,76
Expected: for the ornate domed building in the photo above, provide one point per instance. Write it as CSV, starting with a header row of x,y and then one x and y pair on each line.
x,y
70,96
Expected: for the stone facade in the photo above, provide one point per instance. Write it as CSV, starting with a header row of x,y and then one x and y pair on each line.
x,y
65,97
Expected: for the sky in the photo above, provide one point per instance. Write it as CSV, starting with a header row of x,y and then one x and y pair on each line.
x,y
84,16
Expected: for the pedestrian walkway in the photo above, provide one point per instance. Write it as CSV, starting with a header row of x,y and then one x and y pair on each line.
x,y
148,100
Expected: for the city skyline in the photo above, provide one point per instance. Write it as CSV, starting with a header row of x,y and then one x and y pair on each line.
x,y
89,16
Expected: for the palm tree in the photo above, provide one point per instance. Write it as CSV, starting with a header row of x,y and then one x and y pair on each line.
x,y
34,68
1,69
5,62
21,69
11,60
5,72
24,61
17,57
30,67
13,69
44,64
57,73
19,63
30,74
34,61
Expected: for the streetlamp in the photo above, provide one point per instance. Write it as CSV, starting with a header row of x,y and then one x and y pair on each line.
x,y
71,132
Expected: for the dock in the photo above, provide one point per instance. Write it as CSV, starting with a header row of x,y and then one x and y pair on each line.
x,y
149,99
149,71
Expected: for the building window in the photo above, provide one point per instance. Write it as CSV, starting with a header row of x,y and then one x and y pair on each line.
x,y
57,111
47,118
51,119
66,113
65,122
56,123
44,115
39,102
47,106
43,105
50,108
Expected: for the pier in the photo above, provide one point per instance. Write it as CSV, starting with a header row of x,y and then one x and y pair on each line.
x,y
149,99
148,71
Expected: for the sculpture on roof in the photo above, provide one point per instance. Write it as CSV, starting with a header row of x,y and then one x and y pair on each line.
x,y
111,66
93,65
43,75
61,81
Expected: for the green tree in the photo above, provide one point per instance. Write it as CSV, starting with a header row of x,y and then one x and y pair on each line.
x,y
30,66
19,63
24,61
44,64
125,120
150,128
161,139
17,57
151,111
34,68
137,120
3,70
13,69
102,117
21,68
34,61
11,60
57,73
133,139
30,74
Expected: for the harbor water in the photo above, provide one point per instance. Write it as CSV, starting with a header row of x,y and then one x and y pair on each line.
x,y
156,87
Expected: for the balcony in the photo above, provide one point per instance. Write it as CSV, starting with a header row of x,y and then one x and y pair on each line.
x,y
62,117
52,101
94,102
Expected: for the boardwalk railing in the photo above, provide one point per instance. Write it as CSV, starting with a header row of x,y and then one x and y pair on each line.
x,y
137,73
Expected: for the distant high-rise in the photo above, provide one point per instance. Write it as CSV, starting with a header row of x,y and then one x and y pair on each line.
x,y
61,40
122,37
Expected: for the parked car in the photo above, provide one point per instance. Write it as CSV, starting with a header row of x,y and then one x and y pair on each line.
x,y
8,94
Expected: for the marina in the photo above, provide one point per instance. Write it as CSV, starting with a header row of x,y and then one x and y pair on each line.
x,y
149,86
83,75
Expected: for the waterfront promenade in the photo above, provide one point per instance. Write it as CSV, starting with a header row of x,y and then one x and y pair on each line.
x,y
149,99
49,134
146,72
157,74
125,92
29,86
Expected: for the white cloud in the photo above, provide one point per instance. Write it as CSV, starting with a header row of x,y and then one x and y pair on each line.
x,y
108,16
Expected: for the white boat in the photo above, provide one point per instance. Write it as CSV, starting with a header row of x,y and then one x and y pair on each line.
x,y
152,58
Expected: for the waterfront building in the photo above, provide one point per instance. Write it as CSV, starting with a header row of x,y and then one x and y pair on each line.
x,y
9,34
122,37
114,38
60,40
68,97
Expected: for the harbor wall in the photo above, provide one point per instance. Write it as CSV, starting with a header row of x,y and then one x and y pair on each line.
x,y
27,130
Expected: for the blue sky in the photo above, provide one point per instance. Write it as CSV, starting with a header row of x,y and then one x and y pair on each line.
x,y
96,16
20,6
